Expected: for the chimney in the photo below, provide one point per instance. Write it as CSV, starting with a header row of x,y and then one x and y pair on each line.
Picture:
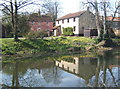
x,y
88,8
39,14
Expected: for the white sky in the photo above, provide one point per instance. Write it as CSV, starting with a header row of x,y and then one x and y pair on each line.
x,y
71,6
67,6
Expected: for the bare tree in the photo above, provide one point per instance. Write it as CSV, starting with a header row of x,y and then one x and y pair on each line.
x,y
11,8
51,8
103,5
116,11
105,15
94,5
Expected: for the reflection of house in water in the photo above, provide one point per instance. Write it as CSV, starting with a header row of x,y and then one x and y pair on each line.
x,y
82,67
70,66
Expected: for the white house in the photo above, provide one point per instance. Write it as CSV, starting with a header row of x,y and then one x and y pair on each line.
x,y
79,21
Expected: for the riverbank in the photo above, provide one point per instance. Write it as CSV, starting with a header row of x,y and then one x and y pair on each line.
x,y
56,45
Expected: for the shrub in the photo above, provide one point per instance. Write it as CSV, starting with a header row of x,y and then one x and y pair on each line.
x,y
42,34
68,31
36,34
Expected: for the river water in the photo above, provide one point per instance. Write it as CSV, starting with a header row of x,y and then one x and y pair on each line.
x,y
75,70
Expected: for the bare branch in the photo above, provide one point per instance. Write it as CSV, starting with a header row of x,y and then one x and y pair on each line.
x,y
6,12
26,4
5,6
115,12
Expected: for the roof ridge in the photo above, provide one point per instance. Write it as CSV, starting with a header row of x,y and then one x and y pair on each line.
x,y
70,15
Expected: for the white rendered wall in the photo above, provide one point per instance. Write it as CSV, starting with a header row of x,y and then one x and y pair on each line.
x,y
70,24
55,33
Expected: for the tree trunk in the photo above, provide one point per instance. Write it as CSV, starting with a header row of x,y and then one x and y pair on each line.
x,y
97,73
12,14
16,23
105,33
97,19
104,72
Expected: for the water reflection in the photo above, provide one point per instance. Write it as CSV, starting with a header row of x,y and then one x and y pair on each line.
x,y
99,71
82,67
66,71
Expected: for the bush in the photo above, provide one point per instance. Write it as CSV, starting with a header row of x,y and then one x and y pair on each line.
x,y
68,31
42,34
36,34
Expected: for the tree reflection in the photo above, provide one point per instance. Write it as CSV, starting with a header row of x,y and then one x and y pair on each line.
x,y
95,71
87,67
103,65
31,73
15,81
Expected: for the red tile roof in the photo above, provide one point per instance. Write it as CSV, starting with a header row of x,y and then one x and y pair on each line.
x,y
42,18
71,15
109,18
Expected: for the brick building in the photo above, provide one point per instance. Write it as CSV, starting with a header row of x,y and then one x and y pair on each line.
x,y
41,22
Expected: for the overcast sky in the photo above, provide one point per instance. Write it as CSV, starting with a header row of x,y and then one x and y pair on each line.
x,y
68,6
71,6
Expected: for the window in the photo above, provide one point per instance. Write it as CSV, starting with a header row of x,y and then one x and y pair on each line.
x,y
68,68
74,61
63,21
47,23
33,23
82,28
116,23
62,66
74,28
68,20
38,23
58,22
48,30
74,70
73,19
39,28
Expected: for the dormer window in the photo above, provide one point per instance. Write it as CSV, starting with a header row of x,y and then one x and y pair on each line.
x,y
68,20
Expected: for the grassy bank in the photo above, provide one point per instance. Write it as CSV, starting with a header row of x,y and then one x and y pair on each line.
x,y
26,47
56,44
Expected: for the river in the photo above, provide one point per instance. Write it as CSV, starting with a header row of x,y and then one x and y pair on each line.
x,y
75,70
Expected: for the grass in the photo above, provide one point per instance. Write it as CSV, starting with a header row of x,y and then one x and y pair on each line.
x,y
32,46
117,41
